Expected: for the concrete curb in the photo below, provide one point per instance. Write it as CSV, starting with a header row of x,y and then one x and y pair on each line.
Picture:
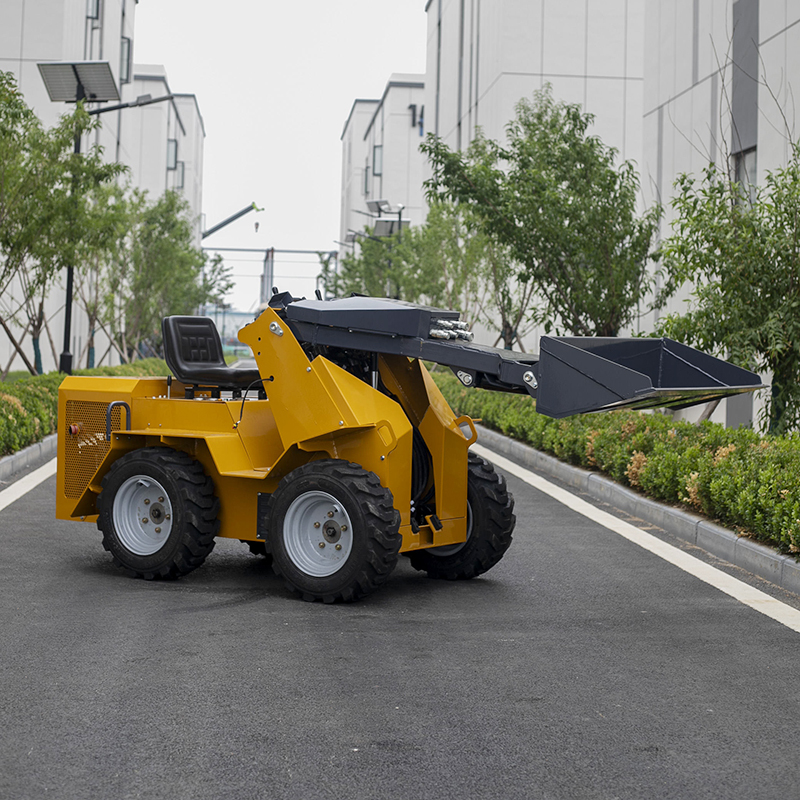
x,y
33,456
756,558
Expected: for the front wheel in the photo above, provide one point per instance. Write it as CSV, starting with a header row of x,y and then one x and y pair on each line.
x,y
157,513
333,531
490,524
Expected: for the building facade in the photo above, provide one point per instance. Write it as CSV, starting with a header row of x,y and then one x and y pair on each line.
x,y
381,158
720,86
484,56
161,144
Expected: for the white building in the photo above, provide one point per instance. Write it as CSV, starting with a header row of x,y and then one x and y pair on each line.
x,y
162,144
720,86
484,57
380,155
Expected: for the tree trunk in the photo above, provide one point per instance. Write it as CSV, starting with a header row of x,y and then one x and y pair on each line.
x,y
17,347
709,410
37,355
782,410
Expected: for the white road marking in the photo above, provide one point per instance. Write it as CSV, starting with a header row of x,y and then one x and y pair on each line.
x,y
24,485
750,596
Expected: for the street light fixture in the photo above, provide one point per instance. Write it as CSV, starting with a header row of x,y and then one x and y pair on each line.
x,y
379,206
386,226
71,82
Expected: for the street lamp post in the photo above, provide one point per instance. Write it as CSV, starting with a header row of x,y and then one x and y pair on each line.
x,y
73,82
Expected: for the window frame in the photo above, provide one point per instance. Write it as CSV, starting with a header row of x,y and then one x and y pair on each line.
x,y
172,154
125,52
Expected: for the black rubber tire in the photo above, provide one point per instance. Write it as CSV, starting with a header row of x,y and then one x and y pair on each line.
x,y
194,512
492,510
375,531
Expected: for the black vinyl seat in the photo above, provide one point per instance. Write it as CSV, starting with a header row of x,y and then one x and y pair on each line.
x,y
193,352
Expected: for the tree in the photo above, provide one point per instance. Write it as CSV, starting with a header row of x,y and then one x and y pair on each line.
x,y
375,270
160,273
447,262
100,255
565,213
460,267
48,214
444,262
744,260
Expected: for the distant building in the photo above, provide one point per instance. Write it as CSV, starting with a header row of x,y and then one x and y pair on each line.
x,y
380,155
162,144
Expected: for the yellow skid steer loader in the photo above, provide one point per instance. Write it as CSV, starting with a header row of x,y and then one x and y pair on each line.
x,y
338,452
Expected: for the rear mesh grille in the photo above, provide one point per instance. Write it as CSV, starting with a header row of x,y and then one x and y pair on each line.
x,y
85,450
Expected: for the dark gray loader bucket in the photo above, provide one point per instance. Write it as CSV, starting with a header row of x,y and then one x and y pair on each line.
x,y
580,374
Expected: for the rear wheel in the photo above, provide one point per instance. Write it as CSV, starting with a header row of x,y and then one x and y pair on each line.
x,y
157,513
490,524
333,531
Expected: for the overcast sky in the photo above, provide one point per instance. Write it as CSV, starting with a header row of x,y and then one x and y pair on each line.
x,y
275,81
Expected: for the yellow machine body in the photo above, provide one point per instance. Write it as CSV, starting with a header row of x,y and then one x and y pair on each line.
x,y
314,410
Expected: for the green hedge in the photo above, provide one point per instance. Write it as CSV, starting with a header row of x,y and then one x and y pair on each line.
x,y
745,481
29,406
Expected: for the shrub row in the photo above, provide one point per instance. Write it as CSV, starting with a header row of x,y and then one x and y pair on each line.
x,y
746,481
29,406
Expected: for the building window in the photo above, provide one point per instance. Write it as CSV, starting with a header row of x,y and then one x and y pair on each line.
x,y
93,9
179,175
744,169
366,177
377,159
172,153
125,60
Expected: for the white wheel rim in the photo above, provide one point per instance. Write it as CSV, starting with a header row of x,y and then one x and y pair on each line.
x,y
142,515
451,549
317,534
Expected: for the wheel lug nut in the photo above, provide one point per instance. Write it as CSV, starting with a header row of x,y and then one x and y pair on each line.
x,y
322,544
145,520
338,547
160,499
316,524
166,516
158,530
344,527
146,501
330,513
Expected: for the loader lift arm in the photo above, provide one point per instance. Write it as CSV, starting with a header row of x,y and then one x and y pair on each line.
x,y
571,375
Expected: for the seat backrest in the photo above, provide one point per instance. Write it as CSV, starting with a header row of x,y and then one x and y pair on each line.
x,y
191,342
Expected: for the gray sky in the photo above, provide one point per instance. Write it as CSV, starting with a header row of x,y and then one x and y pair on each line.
x,y
275,82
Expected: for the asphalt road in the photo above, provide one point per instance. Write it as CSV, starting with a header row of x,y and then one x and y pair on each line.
x,y
580,667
